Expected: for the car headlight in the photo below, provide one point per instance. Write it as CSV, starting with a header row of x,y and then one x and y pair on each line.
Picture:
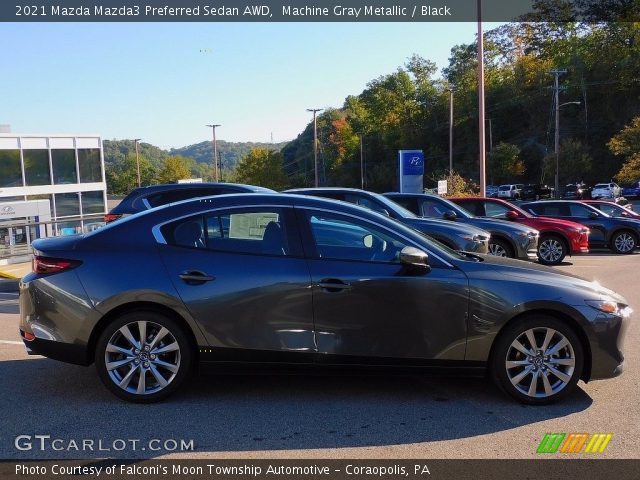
x,y
528,234
610,307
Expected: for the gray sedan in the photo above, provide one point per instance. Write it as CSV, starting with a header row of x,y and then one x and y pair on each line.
x,y
299,282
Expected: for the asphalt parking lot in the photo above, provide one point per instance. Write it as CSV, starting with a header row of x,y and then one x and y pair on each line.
x,y
313,417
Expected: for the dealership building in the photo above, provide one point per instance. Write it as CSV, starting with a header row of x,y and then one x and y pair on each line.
x,y
49,185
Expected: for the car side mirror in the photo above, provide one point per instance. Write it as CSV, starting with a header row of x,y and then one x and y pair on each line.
x,y
367,240
450,215
512,215
415,259
593,215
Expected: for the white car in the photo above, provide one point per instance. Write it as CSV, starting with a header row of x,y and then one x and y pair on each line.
x,y
606,190
510,191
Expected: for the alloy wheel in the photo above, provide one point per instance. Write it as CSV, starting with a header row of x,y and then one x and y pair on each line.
x,y
142,357
497,250
551,250
624,242
540,362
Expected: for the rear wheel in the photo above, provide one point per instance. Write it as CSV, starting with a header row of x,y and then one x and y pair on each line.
x,y
143,356
551,250
537,360
499,248
623,242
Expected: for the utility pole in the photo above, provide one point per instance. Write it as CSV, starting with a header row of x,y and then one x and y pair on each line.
x,y
556,90
481,141
215,151
136,140
450,131
490,135
361,164
220,161
315,143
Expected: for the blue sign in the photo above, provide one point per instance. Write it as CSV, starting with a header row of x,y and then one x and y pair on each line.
x,y
411,170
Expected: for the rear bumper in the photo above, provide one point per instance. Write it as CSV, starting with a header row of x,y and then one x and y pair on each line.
x,y
65,352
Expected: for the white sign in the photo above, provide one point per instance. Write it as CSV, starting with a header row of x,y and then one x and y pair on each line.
x,y
442,187
190,180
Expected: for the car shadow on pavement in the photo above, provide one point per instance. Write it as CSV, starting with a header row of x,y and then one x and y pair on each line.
x,y
246,413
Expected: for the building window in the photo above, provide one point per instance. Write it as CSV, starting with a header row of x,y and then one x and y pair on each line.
x,y
92,202
64,166
67,204
10,171
43,197
36,167
89,162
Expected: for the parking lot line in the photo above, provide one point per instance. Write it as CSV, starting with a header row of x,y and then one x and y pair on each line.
x,y
11,342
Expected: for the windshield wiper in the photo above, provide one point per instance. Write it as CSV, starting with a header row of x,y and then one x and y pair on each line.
x,y
475,256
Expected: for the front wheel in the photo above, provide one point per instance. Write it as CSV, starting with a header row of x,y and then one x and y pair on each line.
x,y
143,357
537,360
499,248
623,242
551,250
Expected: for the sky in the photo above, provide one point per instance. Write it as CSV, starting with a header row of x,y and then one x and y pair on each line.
x,y
163,82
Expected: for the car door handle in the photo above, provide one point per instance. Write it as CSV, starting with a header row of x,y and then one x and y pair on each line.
x,y
196,276
333,285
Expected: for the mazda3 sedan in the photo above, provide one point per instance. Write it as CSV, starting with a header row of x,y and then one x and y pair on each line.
x,y
290,280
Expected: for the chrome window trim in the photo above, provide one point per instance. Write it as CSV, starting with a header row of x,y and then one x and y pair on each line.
x,y
408,240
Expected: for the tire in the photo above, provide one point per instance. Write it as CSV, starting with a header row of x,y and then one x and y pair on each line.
x,y
165,365
500,248
551,250
623,242
556,374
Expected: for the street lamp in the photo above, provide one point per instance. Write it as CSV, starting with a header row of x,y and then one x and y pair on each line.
x,y
315,142
136,141
557,141
215,150
481,140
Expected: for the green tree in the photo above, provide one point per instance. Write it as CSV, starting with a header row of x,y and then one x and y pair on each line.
x,y
505,163
627,144
174,169
123,178
262,167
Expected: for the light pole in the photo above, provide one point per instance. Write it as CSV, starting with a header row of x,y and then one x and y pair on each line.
x,y
136,140
361,164
215,150
315,143
450,131
557,137
481,140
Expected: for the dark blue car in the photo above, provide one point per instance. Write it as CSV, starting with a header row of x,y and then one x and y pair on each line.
x,y
632,190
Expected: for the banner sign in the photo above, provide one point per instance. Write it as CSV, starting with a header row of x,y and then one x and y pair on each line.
x,y
411,170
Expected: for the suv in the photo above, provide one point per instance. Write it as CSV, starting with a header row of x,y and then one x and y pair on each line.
x,y
144,198
631,190
606,190
619,234
558,238
577,191
536,191
458,237
512,191
507,239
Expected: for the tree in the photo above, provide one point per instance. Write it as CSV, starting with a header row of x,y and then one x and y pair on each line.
x,y
262,167
174,169
123,178
626,143
505,163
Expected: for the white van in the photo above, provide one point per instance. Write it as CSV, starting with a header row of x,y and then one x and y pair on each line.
x,y
510,191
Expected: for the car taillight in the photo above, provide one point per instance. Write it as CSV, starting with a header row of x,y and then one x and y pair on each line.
x,y
42,264
111,217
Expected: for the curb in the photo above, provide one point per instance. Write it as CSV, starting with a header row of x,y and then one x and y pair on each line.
x,y
9,285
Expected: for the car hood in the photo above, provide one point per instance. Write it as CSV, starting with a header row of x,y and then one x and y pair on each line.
x,y
490,224
555,222
539,274
434,224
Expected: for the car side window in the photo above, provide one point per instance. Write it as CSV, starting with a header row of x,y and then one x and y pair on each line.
x,y
475,208
258,232
366,203
495,210
433,209
410,204
339,237
579,211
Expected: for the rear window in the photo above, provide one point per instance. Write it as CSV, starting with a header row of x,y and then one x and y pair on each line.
x,y
504,188
602,185
163,198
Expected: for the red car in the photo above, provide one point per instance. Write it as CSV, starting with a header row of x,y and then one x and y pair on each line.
x,y
613,209
557,237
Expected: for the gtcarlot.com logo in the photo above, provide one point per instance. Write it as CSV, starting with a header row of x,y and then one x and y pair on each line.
x,y
574,443
47,443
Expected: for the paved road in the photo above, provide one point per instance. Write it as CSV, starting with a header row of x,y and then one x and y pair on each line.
x,y
322,417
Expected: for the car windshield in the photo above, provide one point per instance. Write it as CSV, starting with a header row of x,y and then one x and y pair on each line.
x,y
392,206
460,212
520,211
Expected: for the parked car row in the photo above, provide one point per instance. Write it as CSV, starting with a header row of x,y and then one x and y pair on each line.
x,y
573,191
296,280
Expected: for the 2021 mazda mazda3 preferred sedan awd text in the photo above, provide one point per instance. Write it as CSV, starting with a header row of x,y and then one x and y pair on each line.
x,y
288,279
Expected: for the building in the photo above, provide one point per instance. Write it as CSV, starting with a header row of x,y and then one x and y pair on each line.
x,y
65,170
